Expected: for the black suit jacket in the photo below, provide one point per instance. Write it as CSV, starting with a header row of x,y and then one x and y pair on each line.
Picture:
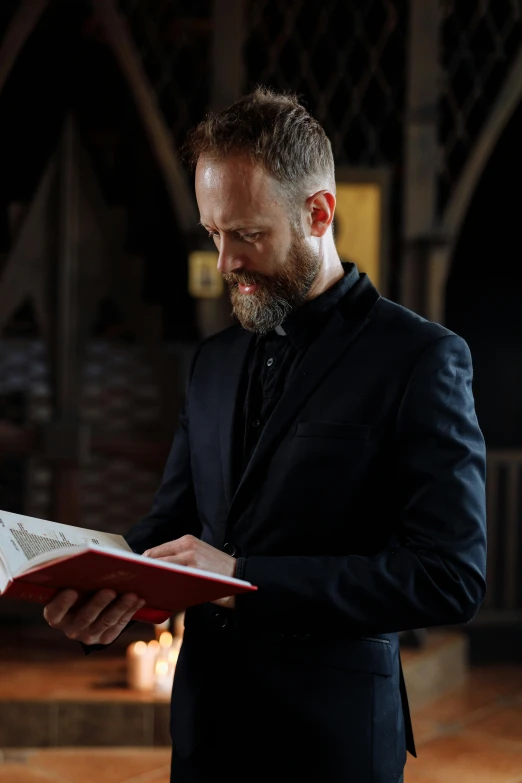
x,y
360,514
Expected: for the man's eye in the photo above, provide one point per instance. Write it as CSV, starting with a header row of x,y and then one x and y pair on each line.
x,y
213,235
251,237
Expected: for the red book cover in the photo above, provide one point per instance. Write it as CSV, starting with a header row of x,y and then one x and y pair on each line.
x,y
166,588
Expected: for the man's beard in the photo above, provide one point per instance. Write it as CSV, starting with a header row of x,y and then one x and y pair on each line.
x,y
277,295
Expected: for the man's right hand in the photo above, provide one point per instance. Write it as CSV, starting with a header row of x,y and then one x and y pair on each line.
x,y
100,620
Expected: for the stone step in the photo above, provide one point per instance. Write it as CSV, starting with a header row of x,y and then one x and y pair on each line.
x,y
51,695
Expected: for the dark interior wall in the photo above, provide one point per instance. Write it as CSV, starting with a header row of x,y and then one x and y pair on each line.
x,y
484,292
66,67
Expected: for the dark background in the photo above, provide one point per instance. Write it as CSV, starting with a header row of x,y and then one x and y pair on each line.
x,y
356,66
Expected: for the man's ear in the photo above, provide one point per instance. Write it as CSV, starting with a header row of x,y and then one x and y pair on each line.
x,y
320,208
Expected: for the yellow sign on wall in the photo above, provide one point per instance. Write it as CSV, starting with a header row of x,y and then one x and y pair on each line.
x,y
358,221
205,282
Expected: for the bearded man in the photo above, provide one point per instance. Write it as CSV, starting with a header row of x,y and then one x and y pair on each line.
x,y
330,454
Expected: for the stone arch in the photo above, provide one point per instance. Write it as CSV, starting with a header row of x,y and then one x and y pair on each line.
x,y
457,208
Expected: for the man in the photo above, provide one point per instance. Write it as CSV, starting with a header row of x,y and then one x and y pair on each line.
x,y
329,453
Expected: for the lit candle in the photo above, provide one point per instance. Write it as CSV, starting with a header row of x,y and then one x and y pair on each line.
x,y
179,625
141,662
163,678
173,658
159,628
165,640
166,662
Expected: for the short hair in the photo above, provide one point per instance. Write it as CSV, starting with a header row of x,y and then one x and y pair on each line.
x,y
274,130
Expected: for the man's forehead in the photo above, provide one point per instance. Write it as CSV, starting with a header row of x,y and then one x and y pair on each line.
x,y
233,192
233,171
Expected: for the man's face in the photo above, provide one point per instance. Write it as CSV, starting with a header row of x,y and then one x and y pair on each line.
x,y
263,256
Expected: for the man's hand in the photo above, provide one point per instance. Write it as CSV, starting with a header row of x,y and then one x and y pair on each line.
x,y
100,620
190,551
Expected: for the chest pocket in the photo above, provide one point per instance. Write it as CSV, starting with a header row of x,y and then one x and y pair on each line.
x,y
332,429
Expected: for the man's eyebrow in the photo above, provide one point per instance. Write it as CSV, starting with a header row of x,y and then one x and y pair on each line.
x,y
234,226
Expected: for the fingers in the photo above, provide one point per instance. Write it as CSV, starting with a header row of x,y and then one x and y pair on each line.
x,y
116,627
161,551
57,608
100,620
177,560
99,615
87,614
60,612
229,602
172,547
111,622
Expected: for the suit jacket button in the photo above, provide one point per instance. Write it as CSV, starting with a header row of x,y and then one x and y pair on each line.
x,y
221,620
230,549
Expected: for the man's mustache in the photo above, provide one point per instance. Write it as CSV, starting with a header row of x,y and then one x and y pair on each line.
x,y
245,278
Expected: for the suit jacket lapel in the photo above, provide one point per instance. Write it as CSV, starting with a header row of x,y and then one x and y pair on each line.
x,y
340,330
230,381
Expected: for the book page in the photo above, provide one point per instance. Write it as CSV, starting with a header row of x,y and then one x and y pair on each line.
x,y
24,538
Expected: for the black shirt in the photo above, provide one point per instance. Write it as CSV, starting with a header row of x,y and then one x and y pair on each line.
x,y
276,356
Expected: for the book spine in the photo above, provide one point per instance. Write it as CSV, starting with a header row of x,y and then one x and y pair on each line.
x,y
155,616
41,595
30,592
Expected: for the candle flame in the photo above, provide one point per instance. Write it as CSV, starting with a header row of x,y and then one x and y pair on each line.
x,y
165,639
140,648
153,644
162,667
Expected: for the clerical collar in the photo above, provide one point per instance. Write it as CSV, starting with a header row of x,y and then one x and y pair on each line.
x,y
301,325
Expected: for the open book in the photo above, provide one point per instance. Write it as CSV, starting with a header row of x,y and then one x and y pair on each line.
x,y
38,558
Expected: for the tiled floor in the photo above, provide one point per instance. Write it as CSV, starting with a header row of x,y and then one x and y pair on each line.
x,y
473,735
88,765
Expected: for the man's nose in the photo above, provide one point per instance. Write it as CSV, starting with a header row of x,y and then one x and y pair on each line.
x,y
229,260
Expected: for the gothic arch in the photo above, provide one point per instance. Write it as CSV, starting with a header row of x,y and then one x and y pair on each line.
x,y
458,205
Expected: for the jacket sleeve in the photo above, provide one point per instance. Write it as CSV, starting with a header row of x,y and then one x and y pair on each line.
x,y
434,572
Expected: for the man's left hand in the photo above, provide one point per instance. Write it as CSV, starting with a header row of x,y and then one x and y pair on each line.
x,y
190,551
